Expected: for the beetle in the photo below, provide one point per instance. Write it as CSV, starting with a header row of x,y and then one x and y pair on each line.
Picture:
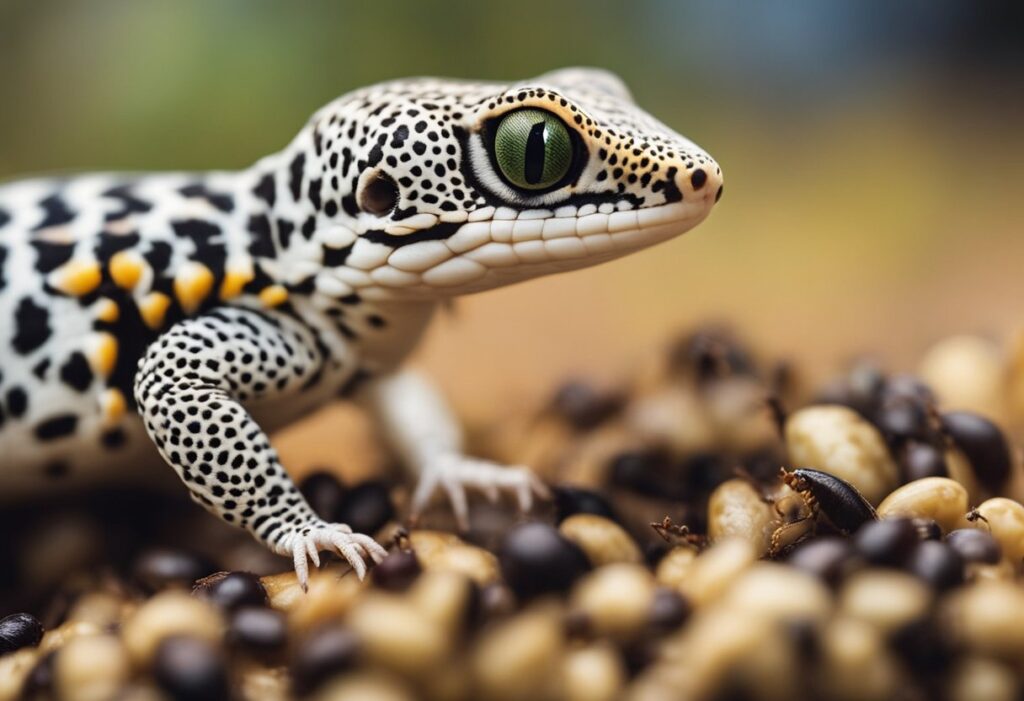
x,y
821,495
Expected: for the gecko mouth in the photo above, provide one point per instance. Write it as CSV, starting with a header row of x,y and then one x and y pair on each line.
x,y
510,245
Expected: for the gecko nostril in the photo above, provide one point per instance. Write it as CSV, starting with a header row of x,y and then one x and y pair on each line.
x,y
698,178
718,195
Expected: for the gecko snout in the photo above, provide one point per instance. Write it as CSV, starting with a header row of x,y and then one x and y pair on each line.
x,y
703,182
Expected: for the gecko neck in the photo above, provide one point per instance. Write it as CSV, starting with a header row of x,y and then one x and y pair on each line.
x,y
304,232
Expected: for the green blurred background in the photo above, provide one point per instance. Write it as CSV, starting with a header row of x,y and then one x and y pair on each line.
x,y
873,153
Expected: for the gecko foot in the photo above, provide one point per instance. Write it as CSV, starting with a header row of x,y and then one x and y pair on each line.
x,y
305,546
454,473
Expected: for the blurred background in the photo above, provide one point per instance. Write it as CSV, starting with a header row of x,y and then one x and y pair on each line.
x,y
873,154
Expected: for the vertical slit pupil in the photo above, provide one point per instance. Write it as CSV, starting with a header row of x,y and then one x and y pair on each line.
x,y
533,163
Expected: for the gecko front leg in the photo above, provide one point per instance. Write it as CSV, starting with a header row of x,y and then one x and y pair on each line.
x,y
426,435
190,388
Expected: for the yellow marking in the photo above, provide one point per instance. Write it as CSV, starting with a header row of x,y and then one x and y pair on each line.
x,y
77,277
192,284
273,295
126,269
153,308
235,279
112,405
102,353
107,310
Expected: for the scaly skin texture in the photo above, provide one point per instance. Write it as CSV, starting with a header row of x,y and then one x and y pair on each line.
x,y
194,312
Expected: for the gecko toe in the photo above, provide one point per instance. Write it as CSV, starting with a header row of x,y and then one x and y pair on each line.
x,y
299,556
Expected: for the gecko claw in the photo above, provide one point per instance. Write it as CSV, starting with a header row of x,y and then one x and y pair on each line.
x,y
301,566
313,553
338,538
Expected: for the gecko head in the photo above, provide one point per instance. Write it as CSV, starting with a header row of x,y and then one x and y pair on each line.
x,y
434,187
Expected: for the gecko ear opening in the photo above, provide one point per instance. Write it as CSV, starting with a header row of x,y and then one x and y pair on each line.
x,y
379,194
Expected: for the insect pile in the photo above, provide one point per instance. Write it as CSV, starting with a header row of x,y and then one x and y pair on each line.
x,y
719,528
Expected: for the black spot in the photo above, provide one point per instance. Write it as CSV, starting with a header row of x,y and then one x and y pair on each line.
x,y
400,213
376,153
437,232
399,137
284,232
133,338
76,372
56,427
221,201
32,324
50,256
41,368
314,193
55,212
348,203
17,402
296,170
158,256
260,279
308,227
4,218
198,230
698,178
266,189
261,246
109,244
3,257
304,286
672,192
334,257
130,204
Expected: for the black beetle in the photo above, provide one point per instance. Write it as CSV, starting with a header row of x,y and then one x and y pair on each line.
x,y
983,444
825,495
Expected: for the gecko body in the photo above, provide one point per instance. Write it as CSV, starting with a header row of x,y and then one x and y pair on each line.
x,y
183,316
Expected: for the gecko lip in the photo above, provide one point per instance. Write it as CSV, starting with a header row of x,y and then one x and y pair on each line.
x,y
512,246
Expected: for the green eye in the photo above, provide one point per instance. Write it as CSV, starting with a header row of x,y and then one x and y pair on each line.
x,y
533,149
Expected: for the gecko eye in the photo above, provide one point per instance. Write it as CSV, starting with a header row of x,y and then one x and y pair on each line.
x,y
533,149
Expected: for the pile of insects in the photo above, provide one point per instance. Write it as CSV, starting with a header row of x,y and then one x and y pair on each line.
x,y
719,528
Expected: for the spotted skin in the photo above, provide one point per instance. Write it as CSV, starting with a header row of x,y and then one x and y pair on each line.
x,y
194,312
